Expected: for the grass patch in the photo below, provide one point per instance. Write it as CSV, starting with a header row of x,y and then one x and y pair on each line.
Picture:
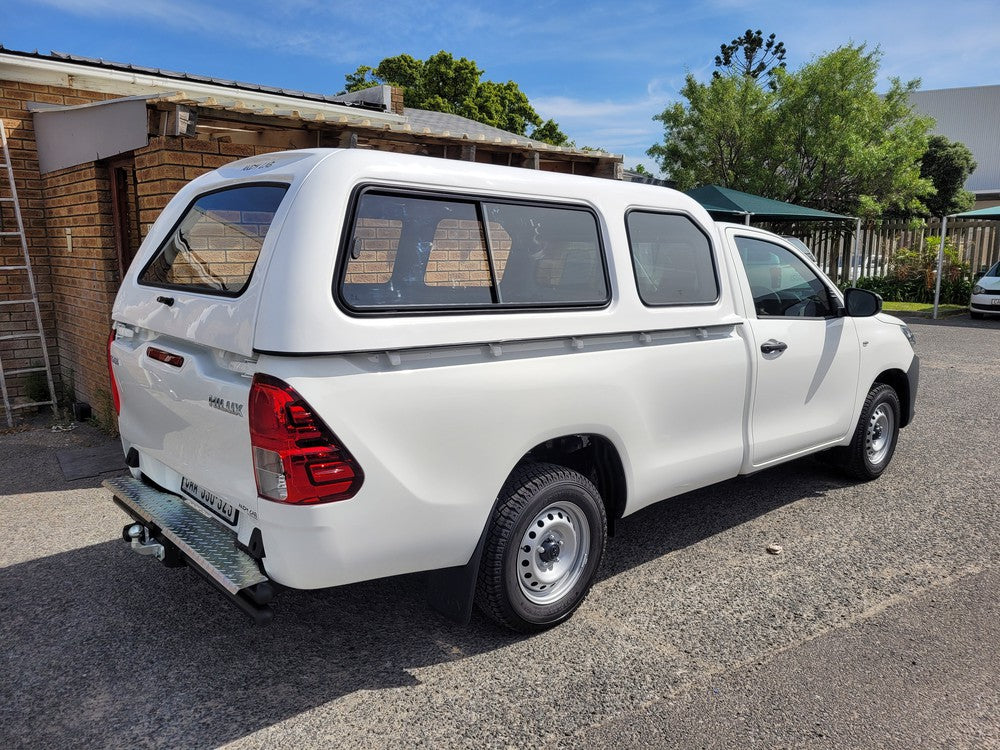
x,y
919,307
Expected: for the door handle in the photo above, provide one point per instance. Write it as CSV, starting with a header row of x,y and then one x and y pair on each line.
x,y
771,346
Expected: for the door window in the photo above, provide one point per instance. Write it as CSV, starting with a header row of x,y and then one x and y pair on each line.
x,y
781,283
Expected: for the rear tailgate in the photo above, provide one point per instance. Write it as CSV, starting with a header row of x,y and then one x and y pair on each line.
x,y
184,409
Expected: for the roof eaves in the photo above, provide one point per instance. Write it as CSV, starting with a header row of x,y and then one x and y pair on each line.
x,y
313,115
109,67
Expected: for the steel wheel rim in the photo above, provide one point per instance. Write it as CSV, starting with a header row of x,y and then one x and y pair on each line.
x,y
878,437
553,553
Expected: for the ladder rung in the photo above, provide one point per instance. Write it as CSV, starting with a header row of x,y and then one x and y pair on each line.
x,y
33,403
10,234
24,370
6,199
13,268
17,301
10,336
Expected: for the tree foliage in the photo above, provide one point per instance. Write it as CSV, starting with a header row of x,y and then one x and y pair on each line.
x,y
751,55
912,274
549,132
947,164
820,136
443,83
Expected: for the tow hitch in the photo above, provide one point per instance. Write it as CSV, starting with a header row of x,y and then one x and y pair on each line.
x,y
139,536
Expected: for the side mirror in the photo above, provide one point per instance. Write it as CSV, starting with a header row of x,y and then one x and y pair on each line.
x,y
861,303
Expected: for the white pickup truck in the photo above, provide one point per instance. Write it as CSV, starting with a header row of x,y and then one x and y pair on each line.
x,y
338,365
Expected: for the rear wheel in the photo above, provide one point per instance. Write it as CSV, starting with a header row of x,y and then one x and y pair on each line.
x,y
874,440
543,548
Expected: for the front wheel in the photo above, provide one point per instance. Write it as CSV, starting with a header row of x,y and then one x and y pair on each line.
x,y
874,440
976,315
543,548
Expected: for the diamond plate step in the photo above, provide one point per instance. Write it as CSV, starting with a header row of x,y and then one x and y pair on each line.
x,y
203,540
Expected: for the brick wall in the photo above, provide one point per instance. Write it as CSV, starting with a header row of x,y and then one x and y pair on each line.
x,y
168,163
77,274
396,96
84,275
14,99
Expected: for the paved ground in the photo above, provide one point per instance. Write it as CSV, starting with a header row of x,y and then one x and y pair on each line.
x,y
879,626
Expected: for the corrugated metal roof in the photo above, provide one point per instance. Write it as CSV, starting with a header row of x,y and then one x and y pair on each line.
x,y
444,123
970,115
304,113
95,62
417,122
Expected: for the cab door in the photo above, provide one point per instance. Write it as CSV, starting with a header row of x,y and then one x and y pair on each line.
x,y
805,352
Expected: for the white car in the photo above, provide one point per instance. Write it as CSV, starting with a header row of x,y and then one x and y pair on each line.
x,y
986,294
339,365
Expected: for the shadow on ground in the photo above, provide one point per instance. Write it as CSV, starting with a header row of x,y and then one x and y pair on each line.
x,y
146,655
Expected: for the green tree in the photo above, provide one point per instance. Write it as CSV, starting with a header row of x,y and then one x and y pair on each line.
x,y
947,164
443,83
820,136
751,55
549,132
722,136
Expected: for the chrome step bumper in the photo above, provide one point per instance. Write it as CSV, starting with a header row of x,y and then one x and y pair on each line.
x,y
204,543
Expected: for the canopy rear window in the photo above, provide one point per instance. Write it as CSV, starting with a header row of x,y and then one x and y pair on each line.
x,y
214,247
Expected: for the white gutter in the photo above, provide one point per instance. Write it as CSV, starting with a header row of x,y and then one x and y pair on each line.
x,y
129,83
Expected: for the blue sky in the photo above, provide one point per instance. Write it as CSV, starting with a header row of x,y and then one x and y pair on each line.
x,y
602,70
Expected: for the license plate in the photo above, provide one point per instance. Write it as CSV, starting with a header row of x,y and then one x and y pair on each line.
x,y
995,301
222,508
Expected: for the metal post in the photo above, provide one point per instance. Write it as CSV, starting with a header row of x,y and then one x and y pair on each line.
x,y
937,283
856,252
746,219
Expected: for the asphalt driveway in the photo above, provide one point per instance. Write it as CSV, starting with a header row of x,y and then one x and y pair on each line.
x,y
878,626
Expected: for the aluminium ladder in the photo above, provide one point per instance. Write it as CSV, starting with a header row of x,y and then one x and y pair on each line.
x,y
12,271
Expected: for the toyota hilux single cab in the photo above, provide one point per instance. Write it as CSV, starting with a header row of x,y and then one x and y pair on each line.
x,y
337,365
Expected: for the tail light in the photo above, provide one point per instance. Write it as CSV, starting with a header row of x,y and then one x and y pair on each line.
x,y
296,458
111,374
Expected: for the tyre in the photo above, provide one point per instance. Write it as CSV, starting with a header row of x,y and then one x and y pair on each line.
x,y
976,315
875,437
543,548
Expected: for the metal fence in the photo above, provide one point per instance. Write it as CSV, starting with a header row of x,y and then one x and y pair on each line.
x,y
977,242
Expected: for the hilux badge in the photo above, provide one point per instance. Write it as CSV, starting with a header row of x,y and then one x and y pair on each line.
x,y
230,407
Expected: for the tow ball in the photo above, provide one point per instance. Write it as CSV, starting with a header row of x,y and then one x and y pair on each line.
x,y
139,536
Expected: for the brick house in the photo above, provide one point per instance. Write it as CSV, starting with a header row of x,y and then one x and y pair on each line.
x,y
98,149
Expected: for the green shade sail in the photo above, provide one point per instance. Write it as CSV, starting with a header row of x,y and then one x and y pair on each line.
x,y
722,200
993,212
